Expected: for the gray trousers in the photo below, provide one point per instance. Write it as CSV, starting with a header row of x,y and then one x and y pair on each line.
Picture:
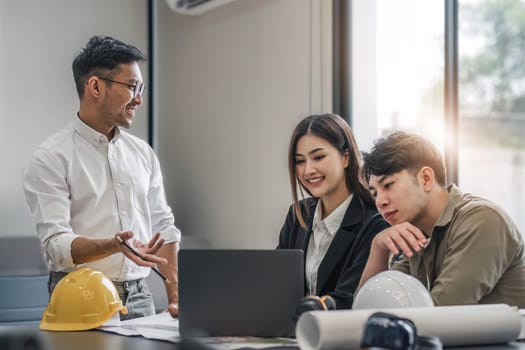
x,y
135,295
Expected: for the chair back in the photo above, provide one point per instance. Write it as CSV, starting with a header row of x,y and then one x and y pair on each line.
x,y
23,280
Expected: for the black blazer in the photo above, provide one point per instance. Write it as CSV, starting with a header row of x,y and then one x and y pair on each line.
x,y
342,266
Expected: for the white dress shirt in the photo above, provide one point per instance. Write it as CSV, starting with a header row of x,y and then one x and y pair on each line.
x,y
323,234
78,183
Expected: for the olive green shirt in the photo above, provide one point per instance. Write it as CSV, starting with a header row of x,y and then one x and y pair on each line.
x,y
475,255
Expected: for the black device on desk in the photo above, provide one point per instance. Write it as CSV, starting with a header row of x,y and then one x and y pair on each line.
x,y
239,292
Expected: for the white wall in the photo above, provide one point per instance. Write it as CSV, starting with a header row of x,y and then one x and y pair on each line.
x,y
234,82
38,41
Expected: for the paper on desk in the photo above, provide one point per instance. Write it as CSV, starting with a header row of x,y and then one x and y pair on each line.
x,y
163,327
454,325
231,343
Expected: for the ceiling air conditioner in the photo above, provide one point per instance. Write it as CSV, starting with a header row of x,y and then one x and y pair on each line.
x,y
195,7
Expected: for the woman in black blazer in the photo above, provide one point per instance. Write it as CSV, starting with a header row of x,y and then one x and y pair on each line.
x,y
335,225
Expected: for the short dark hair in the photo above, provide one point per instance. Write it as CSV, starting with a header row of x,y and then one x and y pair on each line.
x,y
403,151
338,133
102,53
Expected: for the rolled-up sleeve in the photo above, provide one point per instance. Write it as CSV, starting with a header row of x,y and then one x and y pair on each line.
x,y
162,219
47,195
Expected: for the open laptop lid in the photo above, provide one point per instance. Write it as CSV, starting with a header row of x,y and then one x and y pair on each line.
x,y
239,292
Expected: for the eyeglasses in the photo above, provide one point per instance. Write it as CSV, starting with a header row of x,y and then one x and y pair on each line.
x,y
137,89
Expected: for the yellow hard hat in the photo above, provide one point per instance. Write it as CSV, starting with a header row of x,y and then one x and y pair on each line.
x,y
83,299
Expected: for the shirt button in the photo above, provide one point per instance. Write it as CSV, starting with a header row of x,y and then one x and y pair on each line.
x,y
124,213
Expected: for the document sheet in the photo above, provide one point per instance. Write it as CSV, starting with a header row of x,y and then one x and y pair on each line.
x,y
163,327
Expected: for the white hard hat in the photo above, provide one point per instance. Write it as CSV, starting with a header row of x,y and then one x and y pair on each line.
x,y
392,289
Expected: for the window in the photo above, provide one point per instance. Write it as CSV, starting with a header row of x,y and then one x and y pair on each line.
x,y
492,102
410,67
406,64
398,70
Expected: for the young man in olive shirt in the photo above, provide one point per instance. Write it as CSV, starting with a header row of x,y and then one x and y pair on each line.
x,y
464,249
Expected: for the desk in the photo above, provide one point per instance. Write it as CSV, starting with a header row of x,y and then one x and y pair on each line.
x,y
97,340
87,340
92,340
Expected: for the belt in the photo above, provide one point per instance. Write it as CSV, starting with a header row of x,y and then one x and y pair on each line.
x,y
128,283
59,275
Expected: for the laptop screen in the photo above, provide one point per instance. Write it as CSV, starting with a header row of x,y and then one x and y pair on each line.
x,y
239,292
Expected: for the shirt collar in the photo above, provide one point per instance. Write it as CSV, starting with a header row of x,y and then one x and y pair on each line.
x,y
333,221
90,134
454,196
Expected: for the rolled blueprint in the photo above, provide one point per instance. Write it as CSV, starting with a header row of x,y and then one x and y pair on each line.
x,y
454,325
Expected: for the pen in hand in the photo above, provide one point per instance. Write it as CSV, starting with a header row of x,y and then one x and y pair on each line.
x,y
140,256
396,257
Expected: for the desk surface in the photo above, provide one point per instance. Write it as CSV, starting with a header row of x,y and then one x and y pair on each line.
x,y
90,340
99,340
87,340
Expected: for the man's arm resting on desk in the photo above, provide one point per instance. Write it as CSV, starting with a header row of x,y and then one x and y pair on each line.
x,y
169,252
85,249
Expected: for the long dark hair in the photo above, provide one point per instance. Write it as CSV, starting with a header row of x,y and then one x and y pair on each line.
x,y
338,133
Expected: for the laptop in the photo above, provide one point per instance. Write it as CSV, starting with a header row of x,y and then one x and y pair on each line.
x,y
239,292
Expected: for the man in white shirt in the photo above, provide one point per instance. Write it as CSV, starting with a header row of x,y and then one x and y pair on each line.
x,y
92,185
